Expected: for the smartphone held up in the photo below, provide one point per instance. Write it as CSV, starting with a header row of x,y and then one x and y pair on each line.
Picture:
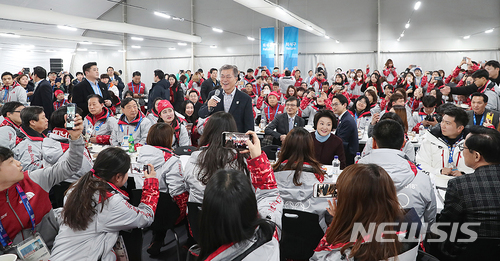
x,y
70,116
235,140
325,190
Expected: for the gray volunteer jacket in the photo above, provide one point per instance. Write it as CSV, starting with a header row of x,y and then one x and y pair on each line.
x,y
414,188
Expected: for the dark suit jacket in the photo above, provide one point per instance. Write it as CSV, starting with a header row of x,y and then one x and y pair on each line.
x,y
82,90
496,116
206,87
160,89
475,198
347,130
280,123
43,96
241,109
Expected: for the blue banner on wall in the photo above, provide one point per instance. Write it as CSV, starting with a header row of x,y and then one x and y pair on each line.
x,y
291,47
267,47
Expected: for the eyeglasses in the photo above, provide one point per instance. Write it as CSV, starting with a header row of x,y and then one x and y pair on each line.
x,y
226,76
290,105
335,104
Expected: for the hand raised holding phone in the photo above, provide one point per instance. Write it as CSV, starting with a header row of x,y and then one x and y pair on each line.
x,y
149,172
253,145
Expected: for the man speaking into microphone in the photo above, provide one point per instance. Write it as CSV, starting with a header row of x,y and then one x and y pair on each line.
x,y
230,100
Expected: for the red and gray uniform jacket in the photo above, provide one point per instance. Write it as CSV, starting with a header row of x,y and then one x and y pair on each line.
x,y
29,151
169,172
139,129
114,214
55,148
101,126
301,197
270,206
37,184
10,134
392,76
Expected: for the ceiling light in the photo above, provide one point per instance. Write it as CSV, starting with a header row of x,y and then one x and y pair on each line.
x,y
137,38
402,35
178,18
407,25
11,35
489,31
217,30
50,51
81,49
182,44
251,38
136,46
398,40
337,41
93,52
213,46
310,28
327,37
466,37
171,48
417,5
65,27
122,51
85,42
160,14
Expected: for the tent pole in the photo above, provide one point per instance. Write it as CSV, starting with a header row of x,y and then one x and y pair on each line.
x,y
124,44
378,35
192,33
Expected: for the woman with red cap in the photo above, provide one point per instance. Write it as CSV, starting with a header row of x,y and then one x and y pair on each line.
x,y
60,100
272,107
167,114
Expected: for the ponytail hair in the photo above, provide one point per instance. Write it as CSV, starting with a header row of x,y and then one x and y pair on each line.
x,y
81,203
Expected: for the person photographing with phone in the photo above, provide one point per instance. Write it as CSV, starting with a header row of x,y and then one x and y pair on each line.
x,y
15,184
230,100
96,209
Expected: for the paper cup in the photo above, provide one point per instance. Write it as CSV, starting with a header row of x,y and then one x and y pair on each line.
x,y
8,257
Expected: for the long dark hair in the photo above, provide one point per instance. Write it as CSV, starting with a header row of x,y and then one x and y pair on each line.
x,y
366,194
194,116
298,149
229,212
81,204
354,107
213,155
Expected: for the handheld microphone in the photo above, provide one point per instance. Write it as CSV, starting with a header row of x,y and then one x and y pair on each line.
x,y
216,95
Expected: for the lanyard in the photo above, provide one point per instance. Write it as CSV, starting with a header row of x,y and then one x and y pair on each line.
x,y
133,88
96,129
4,238
5,94
452,149
276,112
136,127
482,119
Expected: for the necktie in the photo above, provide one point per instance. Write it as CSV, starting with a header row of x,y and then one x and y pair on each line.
x,y
290,124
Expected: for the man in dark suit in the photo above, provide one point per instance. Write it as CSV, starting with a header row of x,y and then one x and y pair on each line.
x,y
90,85
230,99
479,115
346,129
160,89
208,85
43,95
476,197
285,122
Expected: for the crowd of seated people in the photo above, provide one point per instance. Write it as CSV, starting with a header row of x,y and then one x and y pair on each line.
x,y
396,135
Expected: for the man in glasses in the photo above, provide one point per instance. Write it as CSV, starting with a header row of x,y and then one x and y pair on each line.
x,y
285,122
10,135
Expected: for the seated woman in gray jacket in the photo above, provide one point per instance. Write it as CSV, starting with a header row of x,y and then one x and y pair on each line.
x,y
296,171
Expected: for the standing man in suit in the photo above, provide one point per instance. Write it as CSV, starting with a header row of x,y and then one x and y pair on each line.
x,y
285,122
479,115
90,85
346,129
209,85
115,77
230,100
43,95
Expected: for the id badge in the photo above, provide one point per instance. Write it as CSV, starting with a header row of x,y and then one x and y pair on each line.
x,y
33,249
120,250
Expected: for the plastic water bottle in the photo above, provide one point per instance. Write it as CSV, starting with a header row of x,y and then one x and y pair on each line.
x,y
357,158
336,165
421,129
262,124
278,154
131,147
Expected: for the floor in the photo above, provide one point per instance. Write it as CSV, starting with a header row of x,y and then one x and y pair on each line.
x,y
168,252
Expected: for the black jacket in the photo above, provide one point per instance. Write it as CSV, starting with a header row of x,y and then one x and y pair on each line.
x,y
280,123
241,109
178,98
347,130
207,86
43,97
82,90
159,89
